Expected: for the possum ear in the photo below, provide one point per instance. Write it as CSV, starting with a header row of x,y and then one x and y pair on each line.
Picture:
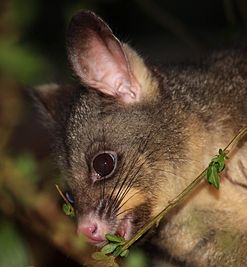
x,y
52,102
99,60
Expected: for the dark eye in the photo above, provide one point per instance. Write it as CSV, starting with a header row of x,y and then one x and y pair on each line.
x,y
70,198
104,164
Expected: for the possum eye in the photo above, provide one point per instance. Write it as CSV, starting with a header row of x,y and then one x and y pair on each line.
x,y
104,163
70,198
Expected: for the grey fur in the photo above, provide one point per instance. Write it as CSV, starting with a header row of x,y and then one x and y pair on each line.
x,y
158,142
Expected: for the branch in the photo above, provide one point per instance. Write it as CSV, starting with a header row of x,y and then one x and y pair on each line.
x,y
178,199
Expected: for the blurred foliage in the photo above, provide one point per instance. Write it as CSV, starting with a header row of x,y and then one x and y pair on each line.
x,y
17,60
13,249
27,166
21,63
136,258
32,51
22,13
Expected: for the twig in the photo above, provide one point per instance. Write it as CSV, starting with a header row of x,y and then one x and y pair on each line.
x,y
177,200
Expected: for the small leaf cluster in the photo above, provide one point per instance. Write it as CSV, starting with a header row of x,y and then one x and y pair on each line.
x,y
216,166
113,247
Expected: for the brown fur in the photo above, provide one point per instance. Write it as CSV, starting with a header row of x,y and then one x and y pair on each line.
x,y
163,142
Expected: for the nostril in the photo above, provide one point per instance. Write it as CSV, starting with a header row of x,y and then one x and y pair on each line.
x,y
92,232
88,230
93,229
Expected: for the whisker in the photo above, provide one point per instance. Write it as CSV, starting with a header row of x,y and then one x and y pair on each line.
x,y
129,168
118,195
142,147
104,142
170,173
123,167
132,180
121,205
122,192
123,212
118,180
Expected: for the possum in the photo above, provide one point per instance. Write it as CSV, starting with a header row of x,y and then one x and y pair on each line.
x,y
129,138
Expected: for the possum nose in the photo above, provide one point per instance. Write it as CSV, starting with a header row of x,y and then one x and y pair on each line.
x,y
93,231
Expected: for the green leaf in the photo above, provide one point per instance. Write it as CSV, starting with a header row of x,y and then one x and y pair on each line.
x,y
68,210
114,238
220,159
125,253
117,251
109,248
216,166
213,176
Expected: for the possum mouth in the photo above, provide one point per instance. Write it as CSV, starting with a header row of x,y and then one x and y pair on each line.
x,y
95,229
122,222
108,219
124,228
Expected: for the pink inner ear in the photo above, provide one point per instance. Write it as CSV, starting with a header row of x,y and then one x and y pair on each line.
x,y
102,64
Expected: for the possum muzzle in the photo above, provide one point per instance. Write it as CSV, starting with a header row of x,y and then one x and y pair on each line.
x,y
118,215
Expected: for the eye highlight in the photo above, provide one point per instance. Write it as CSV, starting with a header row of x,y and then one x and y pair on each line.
x,y
104,163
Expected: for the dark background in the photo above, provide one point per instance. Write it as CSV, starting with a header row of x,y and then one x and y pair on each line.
x,y
33,51
33,31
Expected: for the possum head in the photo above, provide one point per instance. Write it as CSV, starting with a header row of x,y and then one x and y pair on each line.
x,y
111,136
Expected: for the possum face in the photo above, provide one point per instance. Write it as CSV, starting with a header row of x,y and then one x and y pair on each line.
x,y
109,133
110,163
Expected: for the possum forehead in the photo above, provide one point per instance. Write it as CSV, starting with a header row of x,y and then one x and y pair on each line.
x,y
99,119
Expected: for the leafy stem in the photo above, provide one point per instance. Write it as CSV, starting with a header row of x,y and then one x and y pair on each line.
x,y
67,207
177,200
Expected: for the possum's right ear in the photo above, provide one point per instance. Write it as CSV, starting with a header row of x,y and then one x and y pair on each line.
x,y
52,102
103,63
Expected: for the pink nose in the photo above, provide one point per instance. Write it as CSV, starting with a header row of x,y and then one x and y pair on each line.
x,y
93,231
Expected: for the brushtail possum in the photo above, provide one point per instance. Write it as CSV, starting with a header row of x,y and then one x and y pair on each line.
x,y
129,138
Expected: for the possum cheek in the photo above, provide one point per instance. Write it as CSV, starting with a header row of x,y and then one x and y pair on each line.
x,y
141,215
134,212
